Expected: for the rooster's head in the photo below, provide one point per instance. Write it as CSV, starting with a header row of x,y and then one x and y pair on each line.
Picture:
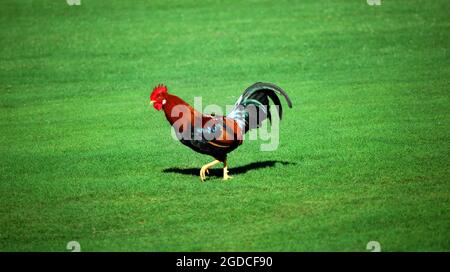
x,y
158,96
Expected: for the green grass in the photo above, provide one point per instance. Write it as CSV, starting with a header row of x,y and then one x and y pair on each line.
x,y
365,147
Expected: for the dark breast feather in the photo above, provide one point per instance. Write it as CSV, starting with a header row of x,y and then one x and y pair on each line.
x,y
206,140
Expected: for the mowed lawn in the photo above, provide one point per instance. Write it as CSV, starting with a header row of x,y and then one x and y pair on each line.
x,y
363,154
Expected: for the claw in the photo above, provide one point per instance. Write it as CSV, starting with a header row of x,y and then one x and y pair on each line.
x,y
202,175
225,171
205,169
227,177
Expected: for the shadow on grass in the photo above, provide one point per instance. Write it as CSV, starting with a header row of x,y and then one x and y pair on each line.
x,y
218,172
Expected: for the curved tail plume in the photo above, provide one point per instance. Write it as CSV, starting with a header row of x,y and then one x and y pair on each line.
x,y
253,106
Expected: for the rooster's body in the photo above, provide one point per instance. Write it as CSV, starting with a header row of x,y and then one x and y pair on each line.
x,y
218,135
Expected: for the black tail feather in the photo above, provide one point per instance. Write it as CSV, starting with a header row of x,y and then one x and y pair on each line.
x,y
256,97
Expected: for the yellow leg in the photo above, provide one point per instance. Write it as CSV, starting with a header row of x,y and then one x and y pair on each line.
x,y
205,169
225,171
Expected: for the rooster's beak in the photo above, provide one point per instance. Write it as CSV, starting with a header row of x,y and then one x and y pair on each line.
x,y
152,101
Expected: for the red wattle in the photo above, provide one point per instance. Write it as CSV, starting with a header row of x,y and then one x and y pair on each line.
x,y
157,106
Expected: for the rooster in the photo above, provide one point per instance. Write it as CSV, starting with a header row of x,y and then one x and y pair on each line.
x,y
218,135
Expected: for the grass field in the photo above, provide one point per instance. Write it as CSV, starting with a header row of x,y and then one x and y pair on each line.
x,y
364,152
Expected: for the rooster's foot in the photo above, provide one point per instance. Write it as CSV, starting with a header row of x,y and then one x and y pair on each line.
x,y
225,171
227,177
205,169
225,174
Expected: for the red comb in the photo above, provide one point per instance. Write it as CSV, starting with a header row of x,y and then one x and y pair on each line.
x,y
158,90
